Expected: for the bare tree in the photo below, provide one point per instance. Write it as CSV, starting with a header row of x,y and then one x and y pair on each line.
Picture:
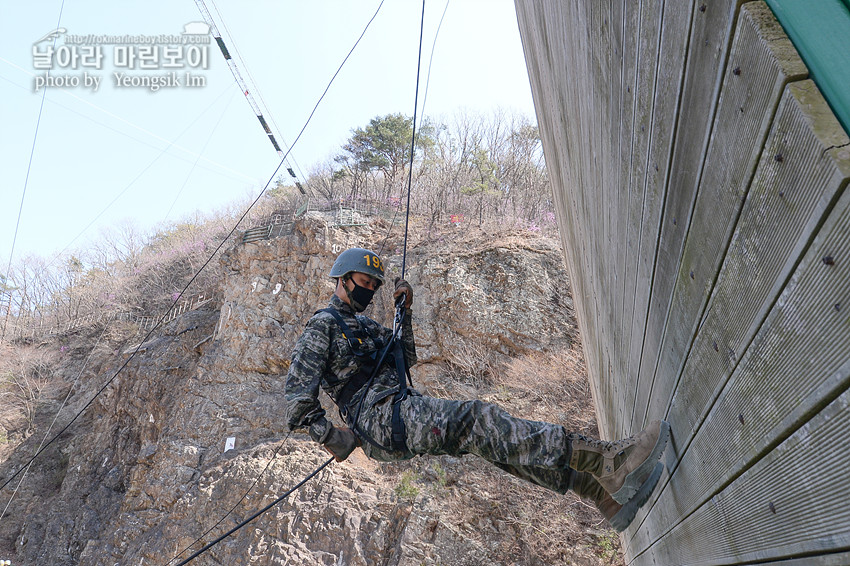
x,y
25,380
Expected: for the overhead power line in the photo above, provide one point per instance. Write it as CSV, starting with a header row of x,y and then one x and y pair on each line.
x,y
238,57
26,180
246,89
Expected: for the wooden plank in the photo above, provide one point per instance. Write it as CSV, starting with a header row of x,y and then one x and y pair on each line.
x,y
555,56
803,335
832,559
671,62
792,503
590,73
626,117
592,77
762,61
711,33
795,183
648,45
605,52
576,104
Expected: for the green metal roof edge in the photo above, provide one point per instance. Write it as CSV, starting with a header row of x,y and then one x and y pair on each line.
x,y
820,30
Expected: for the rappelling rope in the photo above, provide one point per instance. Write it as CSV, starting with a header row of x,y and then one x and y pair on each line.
x,y
424,100
258,513
235,505
412,142
396,329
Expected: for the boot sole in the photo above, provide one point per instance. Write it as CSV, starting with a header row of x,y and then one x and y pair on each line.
x,y
626,515
636,478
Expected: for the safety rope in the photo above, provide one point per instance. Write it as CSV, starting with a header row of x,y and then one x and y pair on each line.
x,y
412,143
431,59
258,513
424,100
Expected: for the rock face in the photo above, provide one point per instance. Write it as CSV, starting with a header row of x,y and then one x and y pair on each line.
x,y
143,473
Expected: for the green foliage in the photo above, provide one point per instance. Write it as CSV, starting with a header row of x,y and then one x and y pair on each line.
x,y
405,488
384,145
609,544
442,477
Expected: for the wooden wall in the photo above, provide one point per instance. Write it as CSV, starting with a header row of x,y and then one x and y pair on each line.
x,y
700,180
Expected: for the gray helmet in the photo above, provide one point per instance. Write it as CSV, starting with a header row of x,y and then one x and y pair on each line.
x,y
360,260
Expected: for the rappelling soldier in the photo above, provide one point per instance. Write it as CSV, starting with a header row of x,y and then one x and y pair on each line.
x,y
363,366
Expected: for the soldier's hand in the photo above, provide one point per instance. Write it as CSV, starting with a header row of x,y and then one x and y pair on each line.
x,y
341,442
403,287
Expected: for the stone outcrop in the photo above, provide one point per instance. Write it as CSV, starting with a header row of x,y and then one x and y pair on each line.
x,y
192,427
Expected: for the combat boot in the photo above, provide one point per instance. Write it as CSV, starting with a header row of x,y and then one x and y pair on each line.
x,y
620,516
621,467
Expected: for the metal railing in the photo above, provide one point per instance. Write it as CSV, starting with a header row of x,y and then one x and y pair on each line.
x,y
346,212
45,329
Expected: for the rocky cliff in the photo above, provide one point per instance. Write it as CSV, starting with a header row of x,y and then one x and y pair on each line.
x,y
192,427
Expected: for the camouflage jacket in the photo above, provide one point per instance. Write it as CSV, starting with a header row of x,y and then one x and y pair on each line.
x,y
323,358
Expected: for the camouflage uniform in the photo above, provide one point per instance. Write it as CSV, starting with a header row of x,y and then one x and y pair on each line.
x,y
536,451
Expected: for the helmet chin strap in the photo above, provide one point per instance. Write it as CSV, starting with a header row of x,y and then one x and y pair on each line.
x,y
345,280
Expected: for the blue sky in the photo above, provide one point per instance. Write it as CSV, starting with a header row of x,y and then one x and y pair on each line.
x,y
125,154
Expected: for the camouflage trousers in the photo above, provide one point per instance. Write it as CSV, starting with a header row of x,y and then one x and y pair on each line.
x,y
535,451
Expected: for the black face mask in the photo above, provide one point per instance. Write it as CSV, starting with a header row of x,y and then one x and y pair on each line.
x,y
360,297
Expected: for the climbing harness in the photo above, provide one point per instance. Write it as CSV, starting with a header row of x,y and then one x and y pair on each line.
x,y
368,360
371,363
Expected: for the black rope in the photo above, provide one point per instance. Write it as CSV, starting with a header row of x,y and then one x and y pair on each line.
x,y
258,513
235,505
412,142
415,104
192,280
431,60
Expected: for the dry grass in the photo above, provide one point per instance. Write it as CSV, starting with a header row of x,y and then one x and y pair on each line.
x,y
551,387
